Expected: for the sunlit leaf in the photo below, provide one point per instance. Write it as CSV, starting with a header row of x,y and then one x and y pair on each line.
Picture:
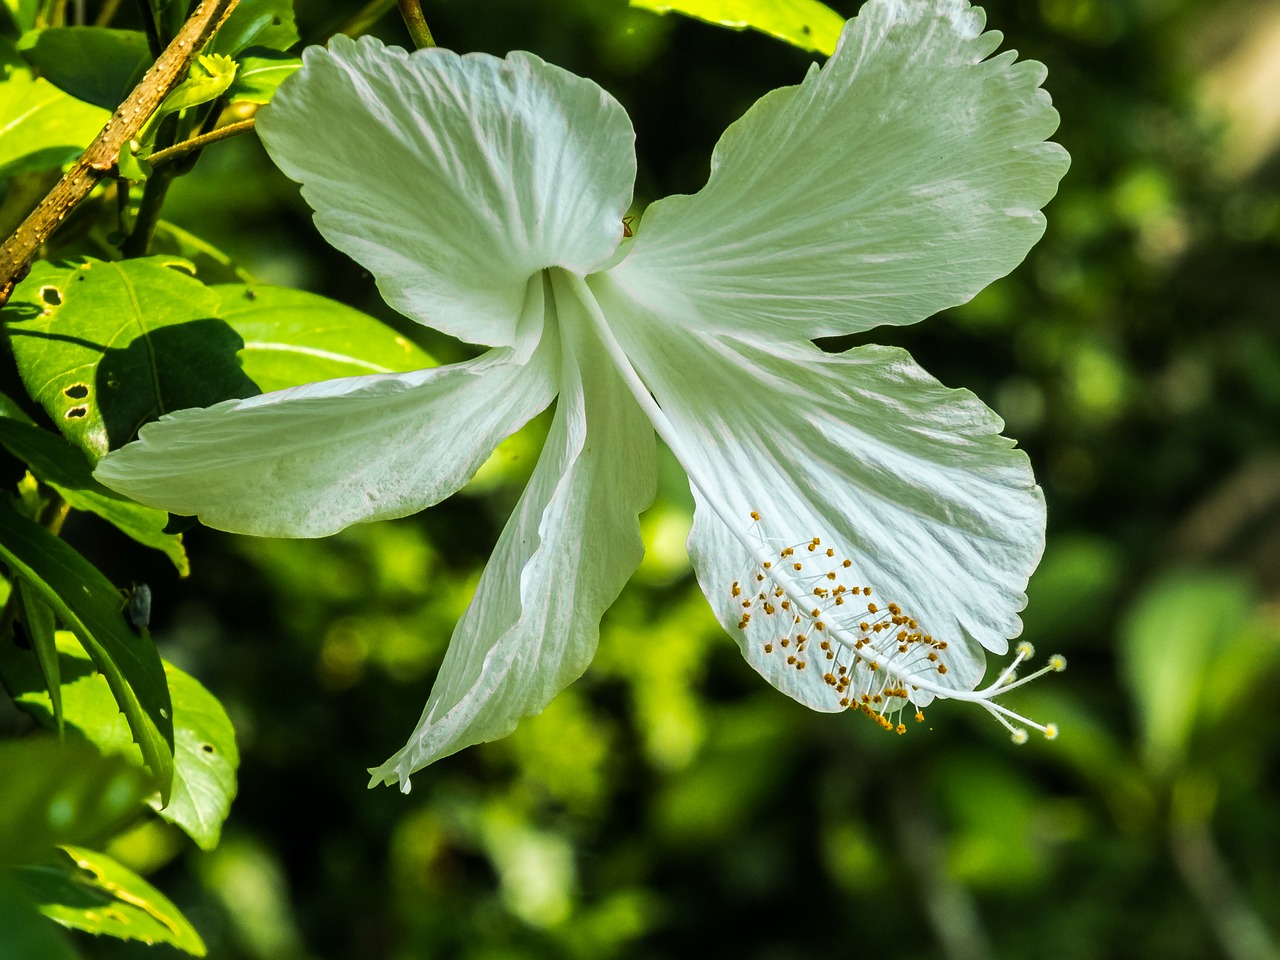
x,y
260,74
210,77
257,23
55,462
87,603
205,754
67,792
105,347
40,126
211,264
804,23
89,891
95,64
1178,638
39,625
293,337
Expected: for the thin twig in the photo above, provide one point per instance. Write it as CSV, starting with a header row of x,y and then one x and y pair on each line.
x,y
107,13
411,10
151,26
364,18
180,150
1241,932
101,155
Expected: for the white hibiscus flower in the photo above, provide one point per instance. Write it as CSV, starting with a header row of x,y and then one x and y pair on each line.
x,y
861,529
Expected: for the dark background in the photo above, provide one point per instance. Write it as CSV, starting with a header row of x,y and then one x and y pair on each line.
x,y
670,804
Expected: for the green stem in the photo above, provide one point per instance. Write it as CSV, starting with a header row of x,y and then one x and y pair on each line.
x,y
186,147
107,13
144,227
411,10
363,19
149,25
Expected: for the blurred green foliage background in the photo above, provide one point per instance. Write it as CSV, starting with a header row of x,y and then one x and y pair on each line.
x,y
670,804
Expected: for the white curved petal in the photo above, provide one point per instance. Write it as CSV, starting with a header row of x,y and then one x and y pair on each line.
x,y
908,479
311,460
564,555
900,179
454,178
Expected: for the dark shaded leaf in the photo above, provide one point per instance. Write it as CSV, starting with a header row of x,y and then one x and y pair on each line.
x,y
91,608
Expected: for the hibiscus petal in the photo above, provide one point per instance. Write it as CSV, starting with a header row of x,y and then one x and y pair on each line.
x,y
564,555
900,179
454,178
310,460
908,479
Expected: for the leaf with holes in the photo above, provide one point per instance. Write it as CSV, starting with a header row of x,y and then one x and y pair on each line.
x,y
807,24
55,462
89,891
87,603
105,347
42,127
292,337
67,793
205,754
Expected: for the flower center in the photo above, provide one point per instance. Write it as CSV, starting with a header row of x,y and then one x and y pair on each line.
x,y
804,603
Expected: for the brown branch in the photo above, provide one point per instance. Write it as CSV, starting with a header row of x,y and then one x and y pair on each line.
x,y
100,157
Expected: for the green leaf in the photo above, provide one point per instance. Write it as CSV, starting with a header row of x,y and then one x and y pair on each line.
x,y
28,935
261,72
210,76
807,24
54,461
132,163
87,603
256,23
23,12
38,620
211,264
292,337
89,891
205,754
40,126
95,64
205,759
1180,646
63,793
105,347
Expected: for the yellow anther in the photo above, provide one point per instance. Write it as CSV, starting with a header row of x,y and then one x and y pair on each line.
x,y
755,515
